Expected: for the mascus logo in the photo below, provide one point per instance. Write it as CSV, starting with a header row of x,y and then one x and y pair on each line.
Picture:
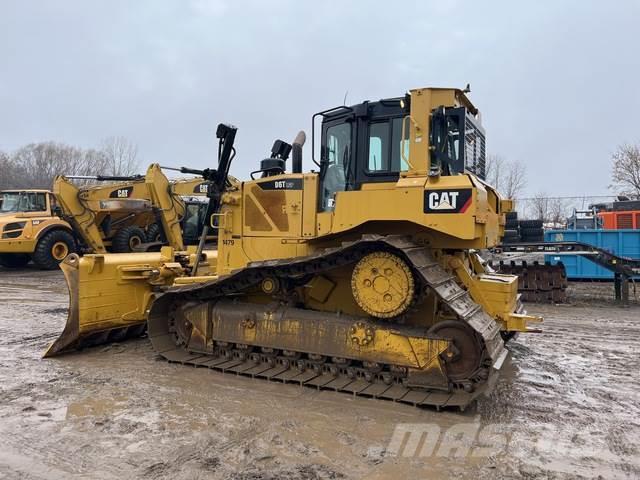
x,y
447,201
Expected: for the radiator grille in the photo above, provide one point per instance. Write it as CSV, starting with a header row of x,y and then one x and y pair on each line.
x,y
625,220
474,149
13,230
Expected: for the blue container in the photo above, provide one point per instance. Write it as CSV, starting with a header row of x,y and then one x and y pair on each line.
x,y
625,243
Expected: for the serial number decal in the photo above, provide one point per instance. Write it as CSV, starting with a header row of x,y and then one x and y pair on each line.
x,y
228,242
447,201
286,184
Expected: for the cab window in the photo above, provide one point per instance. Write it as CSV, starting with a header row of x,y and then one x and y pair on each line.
x,y
38,202
388,150
399,146
339,144
24,202
337,154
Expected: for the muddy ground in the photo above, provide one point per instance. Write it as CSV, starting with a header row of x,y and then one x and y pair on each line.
x,y
566,406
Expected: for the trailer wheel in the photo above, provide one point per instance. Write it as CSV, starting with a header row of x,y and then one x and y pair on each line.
x,y
128,239
14,260
52,248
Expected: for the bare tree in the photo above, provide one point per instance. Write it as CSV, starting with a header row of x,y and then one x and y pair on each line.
x,y
508,177
41,162
494,168
540,206
625,174
35,165
120,156
514,179
558,211
6,171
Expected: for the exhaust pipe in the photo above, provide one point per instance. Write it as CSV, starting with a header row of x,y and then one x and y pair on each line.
x,y
296,152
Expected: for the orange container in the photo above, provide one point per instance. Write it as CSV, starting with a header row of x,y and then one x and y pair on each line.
x,y
620,220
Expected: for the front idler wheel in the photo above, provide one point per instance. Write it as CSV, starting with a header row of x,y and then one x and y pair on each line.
x,y
464,359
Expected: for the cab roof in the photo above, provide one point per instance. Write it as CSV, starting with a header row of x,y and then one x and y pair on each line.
x,y
342,110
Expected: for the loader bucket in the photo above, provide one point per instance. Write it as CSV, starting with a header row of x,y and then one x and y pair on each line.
x,y
109,295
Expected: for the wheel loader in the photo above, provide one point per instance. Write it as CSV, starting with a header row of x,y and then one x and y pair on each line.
x,y
360,276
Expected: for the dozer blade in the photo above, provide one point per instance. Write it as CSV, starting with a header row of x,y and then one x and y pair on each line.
x,y
108,298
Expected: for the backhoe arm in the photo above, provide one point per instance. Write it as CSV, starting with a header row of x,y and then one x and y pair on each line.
x,y
81,218
168,205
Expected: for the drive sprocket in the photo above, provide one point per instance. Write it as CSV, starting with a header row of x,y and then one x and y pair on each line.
x,y
382,284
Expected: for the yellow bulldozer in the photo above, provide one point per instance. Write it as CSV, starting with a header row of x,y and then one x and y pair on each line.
x,y
362,277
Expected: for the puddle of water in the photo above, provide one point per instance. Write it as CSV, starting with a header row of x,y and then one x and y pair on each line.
x,y
94,407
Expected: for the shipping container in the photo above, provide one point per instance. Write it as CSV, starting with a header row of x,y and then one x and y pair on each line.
x,y
620,220
624,243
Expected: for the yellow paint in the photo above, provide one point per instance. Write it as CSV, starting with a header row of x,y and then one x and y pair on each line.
x,y
258,224
36,224
87,207
382,285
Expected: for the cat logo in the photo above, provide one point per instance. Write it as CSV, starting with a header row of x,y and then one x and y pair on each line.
x,y
447,201
121,192
201,188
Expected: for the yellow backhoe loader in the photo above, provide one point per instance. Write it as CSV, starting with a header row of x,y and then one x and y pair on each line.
x,y
362,277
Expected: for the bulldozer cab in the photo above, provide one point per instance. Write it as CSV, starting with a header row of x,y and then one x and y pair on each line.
x,y
377,142
361,144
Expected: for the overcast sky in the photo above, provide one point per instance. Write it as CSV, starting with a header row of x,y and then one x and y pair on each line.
x,y
556,81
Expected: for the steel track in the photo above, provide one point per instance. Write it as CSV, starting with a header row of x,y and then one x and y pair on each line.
x,y
386,383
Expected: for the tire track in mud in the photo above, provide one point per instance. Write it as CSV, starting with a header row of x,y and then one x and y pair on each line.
x,y
579,377
116,412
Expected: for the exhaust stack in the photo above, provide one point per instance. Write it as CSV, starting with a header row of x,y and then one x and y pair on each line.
x,y
296,152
